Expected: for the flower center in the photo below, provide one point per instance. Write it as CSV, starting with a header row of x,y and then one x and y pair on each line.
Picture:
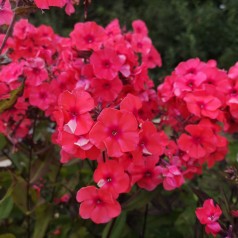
x,y
43,95
191,71
148,174
98,201
89,39
106,64
114,132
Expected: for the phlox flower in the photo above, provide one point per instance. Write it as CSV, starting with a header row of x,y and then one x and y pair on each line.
x,y
106,63
208,215
40,96
106,90
139,27
173,177
4,91
35,71
201,104
5,13
77,146
191,66
116,131
97,204
88,35
200,141
141,44
75,107
112,177
151,142
113,28
45,4
152,58
132,104
146,174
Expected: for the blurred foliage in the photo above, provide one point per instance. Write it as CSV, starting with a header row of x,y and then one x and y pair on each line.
x,y
180,29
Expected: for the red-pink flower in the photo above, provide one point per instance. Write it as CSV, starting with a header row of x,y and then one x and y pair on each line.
x,y
132,104
87,36
112,177
140,27
146,173
116,131
106,63
201,104
106,90
208,215
152,58
151,142
45,4
97,204
75,107
5,12
199,143
173,178
41,96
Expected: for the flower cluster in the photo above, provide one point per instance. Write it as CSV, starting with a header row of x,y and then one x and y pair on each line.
x,y
95,86
196,99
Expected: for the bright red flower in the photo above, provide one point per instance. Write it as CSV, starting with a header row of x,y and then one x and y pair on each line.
x,y
173,178
87,36
97,204
152,58
75,107
201,104
113,28
45,4
35,71
41,96
199,143
146,174
106,63
187,83
69,9
112,177
191,66
208,215
76,146
140,27
116,131
132,104
4,91
141,44
106,90
5,13
151,142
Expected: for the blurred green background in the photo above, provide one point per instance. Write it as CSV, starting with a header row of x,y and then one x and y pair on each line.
x,y
180,29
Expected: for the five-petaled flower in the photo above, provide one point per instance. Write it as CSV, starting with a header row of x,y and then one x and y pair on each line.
x,y
208,215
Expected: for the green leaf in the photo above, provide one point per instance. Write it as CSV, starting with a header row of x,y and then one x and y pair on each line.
x,y
43,217
7,235
140,200
233,152
6,204
3,141
8,103
19,193
81,232
39,169
117,228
